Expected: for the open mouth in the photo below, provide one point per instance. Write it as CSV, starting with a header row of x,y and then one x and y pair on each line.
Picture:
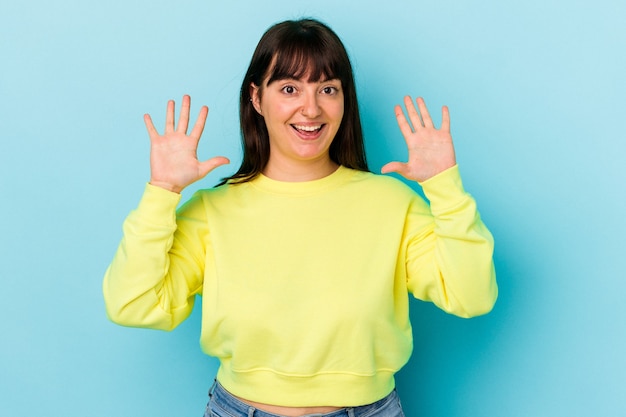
x,y
308,131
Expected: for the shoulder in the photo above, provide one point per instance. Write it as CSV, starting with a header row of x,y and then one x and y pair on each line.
x,y
205,198
379,182
383,189
227,190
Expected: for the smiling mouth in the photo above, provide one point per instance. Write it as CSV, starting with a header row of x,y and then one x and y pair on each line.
x,y
308,130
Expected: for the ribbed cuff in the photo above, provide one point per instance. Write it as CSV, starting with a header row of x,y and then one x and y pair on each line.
x,y
444,190
158,205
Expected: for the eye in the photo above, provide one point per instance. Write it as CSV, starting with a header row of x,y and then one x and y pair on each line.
x,y
289,89
330,90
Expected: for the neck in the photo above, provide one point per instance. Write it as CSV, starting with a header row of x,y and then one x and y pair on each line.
x,y
299,171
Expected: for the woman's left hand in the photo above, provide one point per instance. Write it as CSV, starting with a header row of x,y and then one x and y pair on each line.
x,y
430,149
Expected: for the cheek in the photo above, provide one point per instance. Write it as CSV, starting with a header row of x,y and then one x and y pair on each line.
x,y
338,108
277,112
338,112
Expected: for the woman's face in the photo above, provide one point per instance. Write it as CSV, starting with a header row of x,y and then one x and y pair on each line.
x,y
302,118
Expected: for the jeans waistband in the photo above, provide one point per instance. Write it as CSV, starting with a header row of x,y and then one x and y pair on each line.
x,y
232,406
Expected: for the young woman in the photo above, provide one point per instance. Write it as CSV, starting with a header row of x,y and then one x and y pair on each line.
x,y
304,259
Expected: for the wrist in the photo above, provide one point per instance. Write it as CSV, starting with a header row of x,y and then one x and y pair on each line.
x,y
166,186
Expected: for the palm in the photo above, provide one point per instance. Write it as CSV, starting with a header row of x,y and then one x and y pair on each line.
x,y
173,156
430,149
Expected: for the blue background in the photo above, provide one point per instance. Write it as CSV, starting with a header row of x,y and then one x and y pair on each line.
x,y
536,91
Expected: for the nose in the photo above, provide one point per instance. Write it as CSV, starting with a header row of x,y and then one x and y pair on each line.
x,y
310,105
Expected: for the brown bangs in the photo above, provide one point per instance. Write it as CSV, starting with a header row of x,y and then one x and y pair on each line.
x,y
309,58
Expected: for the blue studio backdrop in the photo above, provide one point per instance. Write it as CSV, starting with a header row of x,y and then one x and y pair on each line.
x,y
536,92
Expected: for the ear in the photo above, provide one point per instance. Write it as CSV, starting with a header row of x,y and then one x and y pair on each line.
x,y
255,97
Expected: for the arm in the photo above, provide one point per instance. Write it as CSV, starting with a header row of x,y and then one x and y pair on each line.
x,y
449,255
158,267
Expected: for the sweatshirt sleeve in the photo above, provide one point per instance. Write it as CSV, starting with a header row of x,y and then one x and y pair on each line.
x,y
450,256
157,269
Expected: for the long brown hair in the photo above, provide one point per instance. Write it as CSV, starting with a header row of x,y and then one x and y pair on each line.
x,y
292,49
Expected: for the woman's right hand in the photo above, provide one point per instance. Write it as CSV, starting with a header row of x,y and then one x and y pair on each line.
x,y
174,162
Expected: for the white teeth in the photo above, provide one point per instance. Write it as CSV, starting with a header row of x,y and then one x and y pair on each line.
x,y
308,128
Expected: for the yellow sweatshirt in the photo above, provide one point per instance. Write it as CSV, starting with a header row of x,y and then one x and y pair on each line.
x,y
304,285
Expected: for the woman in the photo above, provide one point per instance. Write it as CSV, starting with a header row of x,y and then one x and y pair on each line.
x,y
303,257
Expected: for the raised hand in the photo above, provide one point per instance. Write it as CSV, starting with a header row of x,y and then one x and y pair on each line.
x,y
430,149
173,156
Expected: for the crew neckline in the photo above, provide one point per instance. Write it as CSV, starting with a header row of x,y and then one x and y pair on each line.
x,y
340,175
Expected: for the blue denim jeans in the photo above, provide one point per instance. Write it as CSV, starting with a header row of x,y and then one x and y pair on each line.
x,y
224,404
